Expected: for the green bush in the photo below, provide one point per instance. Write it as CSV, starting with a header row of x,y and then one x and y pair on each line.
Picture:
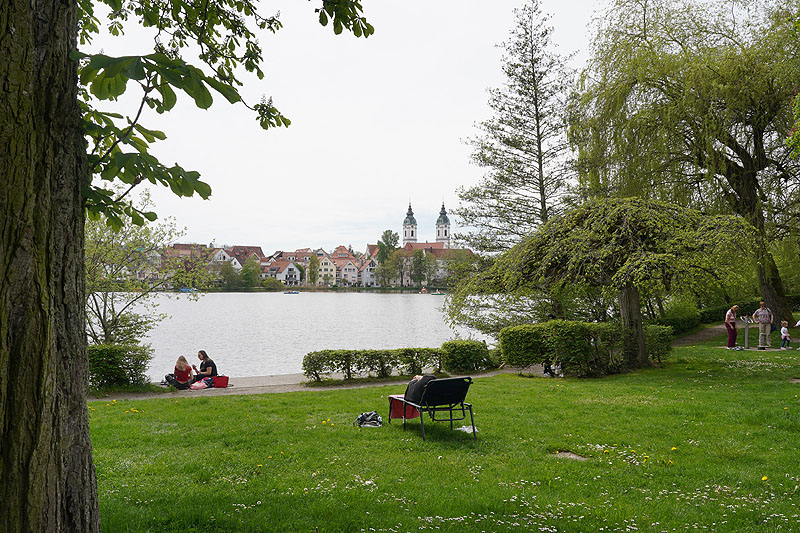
x,y
681,324
464,356
315,364
381,363
116,364
581,348
523,345
658,341
413,361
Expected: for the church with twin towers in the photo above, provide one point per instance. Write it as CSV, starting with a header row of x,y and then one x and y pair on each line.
x,y
410,233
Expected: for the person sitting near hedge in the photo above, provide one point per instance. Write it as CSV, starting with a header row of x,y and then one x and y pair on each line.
x,y
207,367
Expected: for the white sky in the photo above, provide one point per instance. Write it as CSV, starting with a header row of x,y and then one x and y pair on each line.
x,y
375,123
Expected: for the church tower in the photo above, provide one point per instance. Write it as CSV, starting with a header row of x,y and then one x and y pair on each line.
x,y
443,228
409,227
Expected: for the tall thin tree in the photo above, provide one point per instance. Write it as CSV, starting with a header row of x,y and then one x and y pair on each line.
x,y
523,146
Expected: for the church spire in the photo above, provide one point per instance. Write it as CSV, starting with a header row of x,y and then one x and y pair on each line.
x,y
443,228
409,227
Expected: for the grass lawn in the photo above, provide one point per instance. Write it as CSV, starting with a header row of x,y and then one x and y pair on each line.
x,y
708,442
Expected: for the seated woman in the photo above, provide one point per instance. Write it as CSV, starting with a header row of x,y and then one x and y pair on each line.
x,y
183,374
207,367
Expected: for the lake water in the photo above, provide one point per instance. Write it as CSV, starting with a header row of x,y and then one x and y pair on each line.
x,y
259,334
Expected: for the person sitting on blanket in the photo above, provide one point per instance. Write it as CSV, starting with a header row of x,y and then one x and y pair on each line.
x,y
182,377
183,373
207,367
416,386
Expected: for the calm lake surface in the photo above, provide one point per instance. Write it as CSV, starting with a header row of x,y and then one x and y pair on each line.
x,y
259,334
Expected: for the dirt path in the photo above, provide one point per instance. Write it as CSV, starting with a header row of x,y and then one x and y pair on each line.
x,y
702,335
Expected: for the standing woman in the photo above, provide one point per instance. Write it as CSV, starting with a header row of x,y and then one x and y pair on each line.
x,y
730,325
207,366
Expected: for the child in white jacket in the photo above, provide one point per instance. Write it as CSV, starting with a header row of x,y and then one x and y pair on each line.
x,y
785,338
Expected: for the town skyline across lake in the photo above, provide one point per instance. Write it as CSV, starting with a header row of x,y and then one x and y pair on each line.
x,y
416,262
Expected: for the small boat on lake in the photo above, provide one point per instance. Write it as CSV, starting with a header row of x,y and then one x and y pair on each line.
x,y
291,292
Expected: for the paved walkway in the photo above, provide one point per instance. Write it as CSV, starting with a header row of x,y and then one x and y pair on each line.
x,y
278,383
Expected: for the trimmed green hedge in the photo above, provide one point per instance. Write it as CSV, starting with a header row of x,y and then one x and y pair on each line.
x,y
582,348
380,363
114,364
453,356
682,324
465,356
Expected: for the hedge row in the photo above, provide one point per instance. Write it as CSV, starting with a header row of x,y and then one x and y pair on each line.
x,y
454,356
581,348
112,365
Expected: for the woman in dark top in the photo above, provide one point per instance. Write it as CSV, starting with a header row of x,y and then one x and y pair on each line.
x,y
207,366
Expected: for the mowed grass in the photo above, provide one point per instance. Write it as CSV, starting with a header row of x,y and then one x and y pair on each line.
x,y
707,442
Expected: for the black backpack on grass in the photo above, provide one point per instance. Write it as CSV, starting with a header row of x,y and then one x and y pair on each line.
x,y
369,420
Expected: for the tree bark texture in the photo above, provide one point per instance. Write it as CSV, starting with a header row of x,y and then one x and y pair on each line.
x,y
745,199
47,479
630,308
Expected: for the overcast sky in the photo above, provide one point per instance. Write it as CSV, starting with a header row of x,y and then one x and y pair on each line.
x,y
375,123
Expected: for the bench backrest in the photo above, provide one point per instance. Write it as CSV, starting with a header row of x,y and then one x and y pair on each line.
x,y
445,391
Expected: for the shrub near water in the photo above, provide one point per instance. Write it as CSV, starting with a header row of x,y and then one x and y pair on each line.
x,y
582,348
465,356
380,363
114,364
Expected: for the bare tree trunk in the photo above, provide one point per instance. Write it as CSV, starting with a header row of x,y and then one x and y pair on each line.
x,y
48,479
631,311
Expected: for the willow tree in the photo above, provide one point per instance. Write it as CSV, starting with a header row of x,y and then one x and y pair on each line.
x,y
523,146
623,245
47,115
691,102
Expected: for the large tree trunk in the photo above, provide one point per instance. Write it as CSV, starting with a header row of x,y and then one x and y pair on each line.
x,y
746,202
630,309
47,479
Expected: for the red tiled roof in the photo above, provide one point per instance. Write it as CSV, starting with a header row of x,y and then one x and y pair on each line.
x,y
410,246
246,251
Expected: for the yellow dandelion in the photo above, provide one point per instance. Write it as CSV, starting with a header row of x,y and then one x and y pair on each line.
x,y
269,457
108,405
323,421
764,478
260,465
331,423
670,462
605,451
674,448
785,408
281,453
